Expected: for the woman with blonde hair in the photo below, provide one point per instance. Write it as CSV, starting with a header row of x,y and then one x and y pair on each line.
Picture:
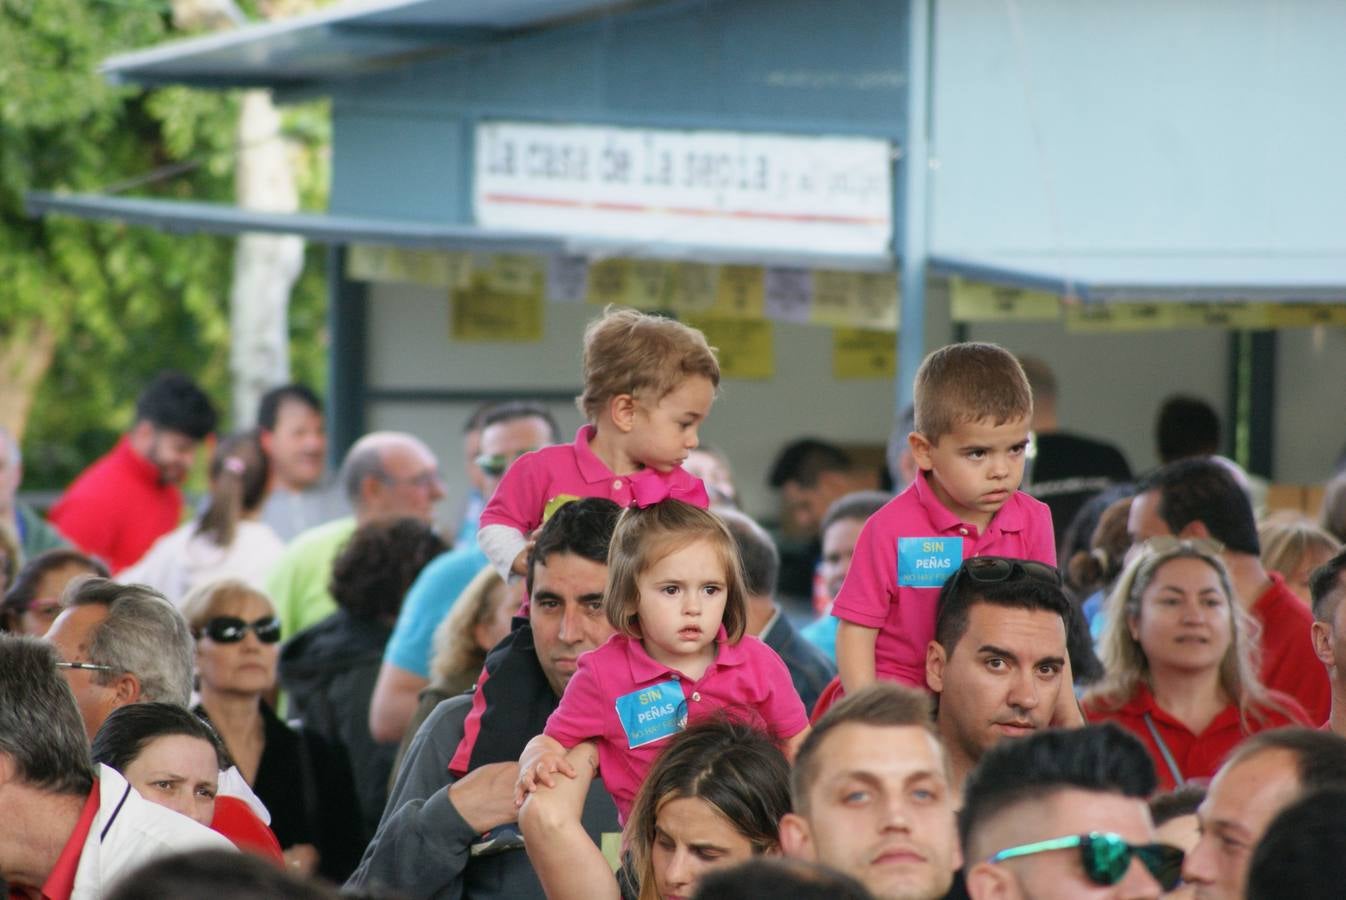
x,y
1178,656
1294,546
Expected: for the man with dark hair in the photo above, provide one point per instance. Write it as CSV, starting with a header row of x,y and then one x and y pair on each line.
x,y
291,430
122,644
1329,633
386,475
456,782
810,474
508,430
68,829
871,795
126,500
1185,427
999,656
773,877
1303,853
1265,774
810,670
1063,814
1200,498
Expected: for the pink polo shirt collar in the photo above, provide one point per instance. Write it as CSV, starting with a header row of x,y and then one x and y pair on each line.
x,y
592,469
1009,518
645,668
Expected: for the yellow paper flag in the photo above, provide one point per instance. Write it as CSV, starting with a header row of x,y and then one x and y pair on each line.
x,y
740,293
744,347
976,302
860,353
480,313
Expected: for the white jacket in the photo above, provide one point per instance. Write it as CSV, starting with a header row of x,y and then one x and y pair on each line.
x,y
128,831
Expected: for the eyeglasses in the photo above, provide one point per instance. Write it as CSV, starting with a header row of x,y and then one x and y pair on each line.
x,y
493,465
427,480
1107,856
91,667
231,630
995,569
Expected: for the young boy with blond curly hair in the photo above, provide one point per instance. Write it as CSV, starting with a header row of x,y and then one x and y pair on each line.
x,y
649,383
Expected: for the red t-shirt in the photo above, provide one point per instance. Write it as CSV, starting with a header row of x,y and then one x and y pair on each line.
x,y
1289,664
61,880
1197,755
117,507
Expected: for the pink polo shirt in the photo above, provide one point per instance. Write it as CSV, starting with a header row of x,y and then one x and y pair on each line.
x,y
620,696
540,480
874,594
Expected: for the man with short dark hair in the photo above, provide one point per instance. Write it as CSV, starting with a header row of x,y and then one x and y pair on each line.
x,y
1265,774
871,796
508,430
121,644
293,437
1200,498
127,499
386,475
810,670
1063,814
998,660
68,829
809,474
456,782
1326,589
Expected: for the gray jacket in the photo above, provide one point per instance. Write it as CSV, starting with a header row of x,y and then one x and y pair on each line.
x,y
422,846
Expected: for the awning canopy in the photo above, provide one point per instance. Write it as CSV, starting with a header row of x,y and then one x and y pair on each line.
x,y
344,40
334,228
1195,277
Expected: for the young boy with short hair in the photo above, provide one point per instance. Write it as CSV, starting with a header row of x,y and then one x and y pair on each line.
x,y
973,406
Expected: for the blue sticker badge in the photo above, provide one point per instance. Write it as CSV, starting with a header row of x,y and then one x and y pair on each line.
x,y
652,713
927,562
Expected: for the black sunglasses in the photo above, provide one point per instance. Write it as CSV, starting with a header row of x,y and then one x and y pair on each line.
x,y
995,569
231,629
1106,857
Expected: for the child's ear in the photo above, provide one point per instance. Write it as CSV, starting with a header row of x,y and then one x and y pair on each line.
x,y
921,450
622,409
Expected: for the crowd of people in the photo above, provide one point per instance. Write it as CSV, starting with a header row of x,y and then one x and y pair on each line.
x,y
609,681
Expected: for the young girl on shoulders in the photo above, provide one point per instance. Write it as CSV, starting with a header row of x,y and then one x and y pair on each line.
x,y
675,596
648,385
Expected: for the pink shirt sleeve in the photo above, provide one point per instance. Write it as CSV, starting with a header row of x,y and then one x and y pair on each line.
x,y
583,713
782,709
520,496
871,581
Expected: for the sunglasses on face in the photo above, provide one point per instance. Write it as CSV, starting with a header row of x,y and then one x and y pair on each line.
x,y
231,630
1106,857
493,465
995,569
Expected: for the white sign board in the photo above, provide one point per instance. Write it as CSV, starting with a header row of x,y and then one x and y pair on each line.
x,y
718,188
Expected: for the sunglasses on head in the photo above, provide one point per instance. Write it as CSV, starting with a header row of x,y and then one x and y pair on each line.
x,y
1106,857
231,630
995,569
1167,543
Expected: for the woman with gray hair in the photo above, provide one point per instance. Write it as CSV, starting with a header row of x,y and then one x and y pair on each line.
x,y
1179,660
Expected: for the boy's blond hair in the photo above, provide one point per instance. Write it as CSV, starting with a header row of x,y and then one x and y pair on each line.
x,y
969,382
644,536
648,357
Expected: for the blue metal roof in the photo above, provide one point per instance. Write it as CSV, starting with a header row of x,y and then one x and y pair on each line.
x,y
347,39
1205,277
335,228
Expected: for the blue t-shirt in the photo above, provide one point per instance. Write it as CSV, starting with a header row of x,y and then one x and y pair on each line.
x,y
432,595
822,633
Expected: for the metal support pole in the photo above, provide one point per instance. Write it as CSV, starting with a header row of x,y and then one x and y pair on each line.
x,y
911,212
347,317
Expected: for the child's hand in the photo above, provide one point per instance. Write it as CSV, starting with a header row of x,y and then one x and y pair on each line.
x,y
520,564
541,773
